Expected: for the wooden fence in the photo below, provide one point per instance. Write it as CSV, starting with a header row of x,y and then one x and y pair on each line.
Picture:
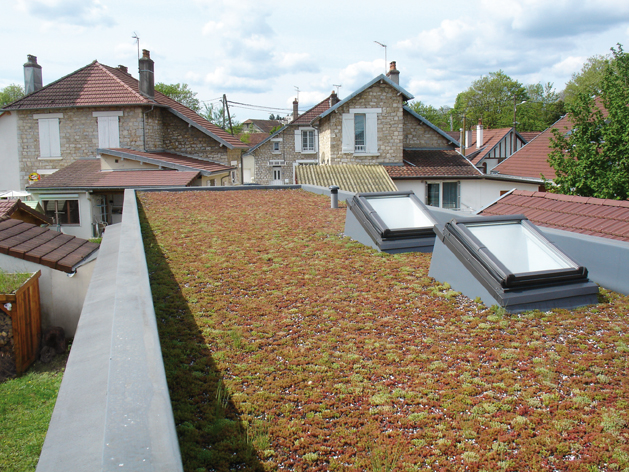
x,y
25,316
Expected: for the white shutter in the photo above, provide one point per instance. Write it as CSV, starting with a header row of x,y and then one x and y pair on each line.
x,y
108,132
348,132
297,140
49,142
371,133
316,141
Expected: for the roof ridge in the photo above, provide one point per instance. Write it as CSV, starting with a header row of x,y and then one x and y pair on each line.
x,y
106,68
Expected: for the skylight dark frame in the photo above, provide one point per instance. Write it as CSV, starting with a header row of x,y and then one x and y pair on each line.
x,y
393,239
472,252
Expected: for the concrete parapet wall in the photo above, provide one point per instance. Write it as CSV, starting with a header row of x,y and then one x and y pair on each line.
x,y
113,411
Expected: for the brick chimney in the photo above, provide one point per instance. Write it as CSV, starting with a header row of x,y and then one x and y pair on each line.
x,y
334,98
32,75
295,109
123,69
479,134
393,73
147,76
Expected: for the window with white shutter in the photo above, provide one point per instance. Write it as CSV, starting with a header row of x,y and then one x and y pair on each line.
x,y
49,142
108,132
360,131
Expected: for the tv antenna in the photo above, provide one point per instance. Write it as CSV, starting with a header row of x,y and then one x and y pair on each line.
x,y
385,55
297,88
137,40
337,87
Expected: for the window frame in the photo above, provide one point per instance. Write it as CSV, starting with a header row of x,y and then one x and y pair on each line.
x,y
440,195
49,135
54,214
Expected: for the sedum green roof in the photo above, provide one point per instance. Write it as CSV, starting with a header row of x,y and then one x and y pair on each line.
x,y
351,178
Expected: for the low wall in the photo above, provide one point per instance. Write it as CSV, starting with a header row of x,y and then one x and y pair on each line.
x,y
113,410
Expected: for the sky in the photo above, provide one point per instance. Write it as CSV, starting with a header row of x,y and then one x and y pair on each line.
x,y
260,52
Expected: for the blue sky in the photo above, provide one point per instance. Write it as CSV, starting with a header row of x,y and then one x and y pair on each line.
x,y
257,52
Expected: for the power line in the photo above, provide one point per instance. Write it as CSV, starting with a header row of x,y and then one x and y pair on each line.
x,y
256,107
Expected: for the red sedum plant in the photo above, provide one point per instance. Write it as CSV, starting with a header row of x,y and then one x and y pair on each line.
x,y
290,347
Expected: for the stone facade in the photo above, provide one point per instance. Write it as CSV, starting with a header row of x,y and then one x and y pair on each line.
x,y
286,153
419,135
390,128
78,137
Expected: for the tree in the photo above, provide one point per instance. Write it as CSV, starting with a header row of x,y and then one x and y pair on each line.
x,y
181,93
587,81
272,117
10,93
490,98
439,117
542,108
593,159
215,115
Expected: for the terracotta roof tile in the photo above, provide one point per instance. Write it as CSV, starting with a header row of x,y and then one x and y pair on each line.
x,y
592,216
491,138
100,85
166,158
16,209
307,117
432,163
86,173
43,245
265,125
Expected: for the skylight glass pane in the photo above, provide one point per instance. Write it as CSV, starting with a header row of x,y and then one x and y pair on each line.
x,y
400,212
517,248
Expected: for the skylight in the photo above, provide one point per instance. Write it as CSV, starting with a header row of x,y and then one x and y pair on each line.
x,y
390,222
507,260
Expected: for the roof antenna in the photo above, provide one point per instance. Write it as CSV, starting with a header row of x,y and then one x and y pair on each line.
x,y
337,87
297,88
385,55
137,39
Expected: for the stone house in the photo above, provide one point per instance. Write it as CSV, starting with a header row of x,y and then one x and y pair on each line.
x,y
103,107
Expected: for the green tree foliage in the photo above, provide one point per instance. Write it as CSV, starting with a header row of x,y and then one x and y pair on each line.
x,y
10,93
214,114
541,110
181,93
587,81
593,159
490,98
439,117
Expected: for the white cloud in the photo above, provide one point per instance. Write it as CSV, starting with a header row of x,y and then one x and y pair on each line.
x,y
83,13
222,79
359,73
307,99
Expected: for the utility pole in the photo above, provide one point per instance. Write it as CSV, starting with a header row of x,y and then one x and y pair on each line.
x,y
231,131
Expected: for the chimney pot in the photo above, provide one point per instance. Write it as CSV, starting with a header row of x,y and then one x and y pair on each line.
x,y
479,134
123,69
147,76
295,109
393,73
32,75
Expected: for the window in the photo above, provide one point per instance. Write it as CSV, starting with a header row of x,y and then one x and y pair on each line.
x,y
108,128
390,221
49,140
359,132
63,212
276,146
277,173
307,140
443,194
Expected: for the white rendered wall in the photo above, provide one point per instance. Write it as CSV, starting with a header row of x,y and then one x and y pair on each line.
x,y
84,229
61,297
475,193
9,165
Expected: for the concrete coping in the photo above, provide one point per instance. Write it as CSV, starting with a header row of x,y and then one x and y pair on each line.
x,y
113,411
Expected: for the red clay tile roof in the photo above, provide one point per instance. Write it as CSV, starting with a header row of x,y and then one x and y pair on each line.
x,y
13,208
432,163
100,85
307,117
593,216
175,160
254,138
529,135
43,245
531,160
491,137
86,173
